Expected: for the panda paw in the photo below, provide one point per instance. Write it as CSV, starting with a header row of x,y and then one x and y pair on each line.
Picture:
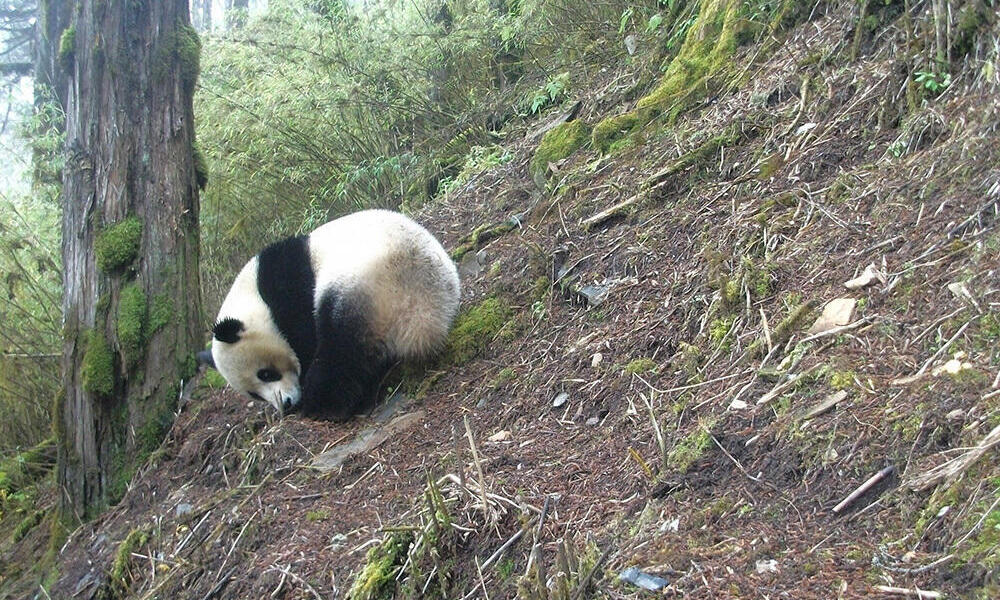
x,y
329,396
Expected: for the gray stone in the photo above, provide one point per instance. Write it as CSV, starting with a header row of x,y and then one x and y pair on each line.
x,y
644,580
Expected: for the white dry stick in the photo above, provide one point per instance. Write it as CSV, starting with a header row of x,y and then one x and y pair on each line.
x,y
864,487
917,593
479,467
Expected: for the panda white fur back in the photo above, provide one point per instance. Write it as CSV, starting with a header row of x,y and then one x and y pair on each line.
x,y
314,323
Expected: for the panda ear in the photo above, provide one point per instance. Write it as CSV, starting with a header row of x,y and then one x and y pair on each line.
x,y
228,330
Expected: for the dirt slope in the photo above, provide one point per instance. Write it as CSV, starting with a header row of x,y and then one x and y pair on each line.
x,y
702,433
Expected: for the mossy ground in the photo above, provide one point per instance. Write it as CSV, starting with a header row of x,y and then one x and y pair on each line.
x,y
377,578
558,143
475,330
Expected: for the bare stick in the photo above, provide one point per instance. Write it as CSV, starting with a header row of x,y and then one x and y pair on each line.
x,y
482,580
479,467
898,591
864,487
506,545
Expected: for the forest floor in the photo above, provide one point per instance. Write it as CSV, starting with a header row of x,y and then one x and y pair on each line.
x,y
646,387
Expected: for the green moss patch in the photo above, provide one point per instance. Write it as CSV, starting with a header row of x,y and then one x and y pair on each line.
x,y
180,47
558,143
475,329
131,322
614,128
118,245
98,367
67,48
213,380
120,576
161,313
703,62
690,449
640,366
377,579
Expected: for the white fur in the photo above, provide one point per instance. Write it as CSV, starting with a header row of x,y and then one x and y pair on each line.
x,y
399,266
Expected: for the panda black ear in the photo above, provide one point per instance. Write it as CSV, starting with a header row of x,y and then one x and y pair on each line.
x,y
228,330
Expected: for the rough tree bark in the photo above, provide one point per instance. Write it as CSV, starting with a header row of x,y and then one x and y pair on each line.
x,y
131,304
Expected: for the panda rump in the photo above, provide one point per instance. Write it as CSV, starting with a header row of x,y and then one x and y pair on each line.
x,y
330,313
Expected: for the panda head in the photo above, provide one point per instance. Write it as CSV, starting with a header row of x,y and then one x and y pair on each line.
x,y
256,360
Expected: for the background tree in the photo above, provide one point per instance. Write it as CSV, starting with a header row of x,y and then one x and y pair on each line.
x,y
130,241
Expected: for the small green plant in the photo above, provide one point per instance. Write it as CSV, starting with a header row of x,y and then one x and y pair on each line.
x,y
549,93
932,82
539,311
897,149
314,516
624,19
654,22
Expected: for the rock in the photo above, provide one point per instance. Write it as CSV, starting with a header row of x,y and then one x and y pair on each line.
x,y
560,399
182,509
805,128
961,290
953,367
870,275
737,404
837,312
631,43
593,421
366,441
767,566
595,295
596,359
673,525
470,267
645,581
500,436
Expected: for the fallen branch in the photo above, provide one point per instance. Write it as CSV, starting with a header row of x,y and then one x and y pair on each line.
x,y
917,593
864,487
949,471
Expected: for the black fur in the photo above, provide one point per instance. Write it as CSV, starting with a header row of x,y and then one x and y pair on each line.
x,y
228,330
286,282
350,364
205,358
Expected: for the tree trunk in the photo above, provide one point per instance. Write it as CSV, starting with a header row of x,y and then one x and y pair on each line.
x,y
50,83
131,307
206,15
236,13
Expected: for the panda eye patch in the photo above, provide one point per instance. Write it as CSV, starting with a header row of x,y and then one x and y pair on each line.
x,y
268,375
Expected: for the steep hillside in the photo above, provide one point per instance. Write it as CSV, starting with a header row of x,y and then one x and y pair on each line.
x,y
641,376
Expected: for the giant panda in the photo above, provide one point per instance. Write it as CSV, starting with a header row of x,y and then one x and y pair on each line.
x,y
313,323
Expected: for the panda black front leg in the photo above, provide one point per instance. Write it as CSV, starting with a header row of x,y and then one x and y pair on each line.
x,y
338,384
